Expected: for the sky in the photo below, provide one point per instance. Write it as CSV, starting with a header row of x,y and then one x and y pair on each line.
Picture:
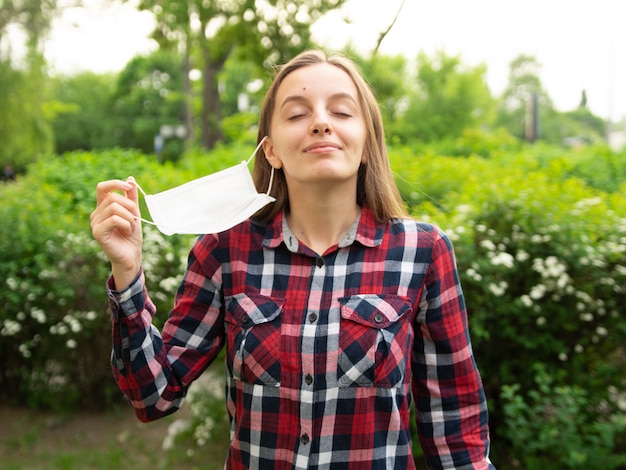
x,y
580,44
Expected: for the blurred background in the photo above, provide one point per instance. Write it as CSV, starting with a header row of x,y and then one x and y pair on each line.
x,y
506,126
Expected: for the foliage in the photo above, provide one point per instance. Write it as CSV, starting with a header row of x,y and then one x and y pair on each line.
x,y
557,427
81,111
24,130
388,77
210,32
542,257
523,84
447,99
148,95
540,238
53,314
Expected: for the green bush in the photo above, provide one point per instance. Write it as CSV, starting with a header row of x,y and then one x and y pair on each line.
x,y
54,324
542,257
540,238
556,427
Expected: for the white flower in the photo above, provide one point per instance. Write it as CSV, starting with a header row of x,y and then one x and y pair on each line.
x,y
173,430
488,245
586,317
12,283
537,292
498,289
24,351
91,315
71,343
503,259
473,274
526,300
10,327
38,315
602,331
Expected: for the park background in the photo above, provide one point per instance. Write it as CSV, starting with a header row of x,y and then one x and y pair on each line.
x,y
532,195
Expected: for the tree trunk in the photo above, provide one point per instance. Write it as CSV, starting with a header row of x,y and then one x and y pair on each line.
x,y
187,96
211,111
211,114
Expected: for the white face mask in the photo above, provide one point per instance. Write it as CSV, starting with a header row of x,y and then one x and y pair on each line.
x,y
210,204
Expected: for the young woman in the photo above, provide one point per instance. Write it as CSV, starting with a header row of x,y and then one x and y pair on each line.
x,y
336,309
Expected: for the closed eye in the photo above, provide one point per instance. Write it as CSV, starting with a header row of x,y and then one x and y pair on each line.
x,y
295,116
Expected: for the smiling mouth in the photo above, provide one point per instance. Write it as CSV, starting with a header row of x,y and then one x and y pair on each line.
x,y
321,148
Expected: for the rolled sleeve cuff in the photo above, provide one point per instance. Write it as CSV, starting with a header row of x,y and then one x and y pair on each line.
x,y
128,301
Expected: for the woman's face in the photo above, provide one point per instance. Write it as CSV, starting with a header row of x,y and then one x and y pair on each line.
x,y
317,131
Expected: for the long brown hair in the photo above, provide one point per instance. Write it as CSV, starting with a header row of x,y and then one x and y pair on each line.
x,y
376,187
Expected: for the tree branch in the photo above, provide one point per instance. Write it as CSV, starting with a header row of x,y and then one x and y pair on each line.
x,y
382,35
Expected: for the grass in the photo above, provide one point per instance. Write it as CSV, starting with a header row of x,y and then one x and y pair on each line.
x,y
33,440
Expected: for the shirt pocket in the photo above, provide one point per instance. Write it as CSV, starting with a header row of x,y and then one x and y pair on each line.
x,y
253,324
374,341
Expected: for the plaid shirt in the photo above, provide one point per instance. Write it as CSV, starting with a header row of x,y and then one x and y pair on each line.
x,y
322,351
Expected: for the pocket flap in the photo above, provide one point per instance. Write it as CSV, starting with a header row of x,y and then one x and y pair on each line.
x,y
247,310
376,311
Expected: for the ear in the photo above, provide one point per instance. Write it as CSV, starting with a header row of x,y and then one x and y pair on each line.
x,y
270,155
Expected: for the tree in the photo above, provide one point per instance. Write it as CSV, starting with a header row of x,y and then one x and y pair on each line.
x,y
148,95
24,130
208,32
82,111
448,98
388,78
524,91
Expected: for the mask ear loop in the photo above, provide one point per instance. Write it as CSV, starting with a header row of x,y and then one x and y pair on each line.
x,y
145,197
269,186
256,150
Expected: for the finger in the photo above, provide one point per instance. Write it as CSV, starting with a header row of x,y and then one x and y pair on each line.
x,y
115,202
133,195
104,188
102,228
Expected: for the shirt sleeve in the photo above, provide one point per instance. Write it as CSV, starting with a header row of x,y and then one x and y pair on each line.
x,y
155,368
451,406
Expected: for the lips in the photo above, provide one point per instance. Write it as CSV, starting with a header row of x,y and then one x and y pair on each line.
x,y
322,147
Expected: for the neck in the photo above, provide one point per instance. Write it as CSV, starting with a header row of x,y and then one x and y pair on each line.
x,y
321,219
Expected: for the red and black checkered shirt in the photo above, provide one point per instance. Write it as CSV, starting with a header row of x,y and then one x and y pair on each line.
x,y
322,352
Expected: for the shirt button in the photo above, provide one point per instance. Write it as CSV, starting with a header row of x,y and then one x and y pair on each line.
x,y
308,379
378,318
245,319
304,439
313,318
319,262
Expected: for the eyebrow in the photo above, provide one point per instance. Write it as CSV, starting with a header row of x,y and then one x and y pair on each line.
x,y
334,97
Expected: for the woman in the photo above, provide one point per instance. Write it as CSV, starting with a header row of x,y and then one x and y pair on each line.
x,y
332,304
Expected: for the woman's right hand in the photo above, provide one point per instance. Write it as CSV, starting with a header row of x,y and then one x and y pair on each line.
x,y
116,227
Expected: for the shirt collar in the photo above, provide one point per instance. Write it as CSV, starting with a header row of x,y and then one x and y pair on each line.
x,y
365,230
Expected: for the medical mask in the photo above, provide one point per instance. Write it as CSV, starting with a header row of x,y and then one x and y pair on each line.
x,y
211,204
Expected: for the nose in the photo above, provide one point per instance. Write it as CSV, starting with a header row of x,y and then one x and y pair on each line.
x,y
321,124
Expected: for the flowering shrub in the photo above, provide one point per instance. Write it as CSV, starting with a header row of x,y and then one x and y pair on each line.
x,y
542,257
540,238
54,324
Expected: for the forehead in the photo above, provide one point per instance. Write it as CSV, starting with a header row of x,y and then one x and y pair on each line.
x,y
316,79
